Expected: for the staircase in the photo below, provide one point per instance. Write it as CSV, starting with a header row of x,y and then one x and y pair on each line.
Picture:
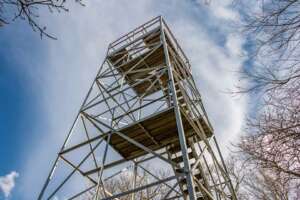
x,y
175,154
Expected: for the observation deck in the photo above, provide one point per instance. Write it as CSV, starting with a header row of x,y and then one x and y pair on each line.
x,y
139,55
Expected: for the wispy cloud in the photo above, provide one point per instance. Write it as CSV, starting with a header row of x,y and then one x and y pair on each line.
x,y
7,183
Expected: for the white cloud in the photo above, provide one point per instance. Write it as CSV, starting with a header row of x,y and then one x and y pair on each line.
x,y
222,10
84,34
234,46
7,183
213,68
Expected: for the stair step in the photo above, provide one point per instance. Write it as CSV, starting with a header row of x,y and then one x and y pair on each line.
x,y
185,190
179,159
177,148
197,176
180,170
199,195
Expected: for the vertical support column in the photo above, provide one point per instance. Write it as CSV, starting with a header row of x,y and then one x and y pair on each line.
x,y
182,140
134,180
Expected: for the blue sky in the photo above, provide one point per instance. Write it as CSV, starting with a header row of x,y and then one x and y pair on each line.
x,y
42,82
19,102
21,110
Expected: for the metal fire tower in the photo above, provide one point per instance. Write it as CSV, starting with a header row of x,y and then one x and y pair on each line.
x,y
142,115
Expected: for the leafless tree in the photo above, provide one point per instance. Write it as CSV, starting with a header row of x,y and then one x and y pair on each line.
x,y
273,138
255,183
270,147
274,28
237,173
126,180
29,11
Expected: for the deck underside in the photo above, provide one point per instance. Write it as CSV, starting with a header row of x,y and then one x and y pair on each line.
x,y
138,64
155,132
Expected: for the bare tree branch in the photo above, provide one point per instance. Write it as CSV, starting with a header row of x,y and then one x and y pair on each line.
x,y
274,29
29,10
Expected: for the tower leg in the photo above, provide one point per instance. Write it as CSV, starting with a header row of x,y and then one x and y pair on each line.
x,y
182,140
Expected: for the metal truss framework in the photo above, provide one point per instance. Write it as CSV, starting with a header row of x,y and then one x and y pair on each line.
x,y
142,108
